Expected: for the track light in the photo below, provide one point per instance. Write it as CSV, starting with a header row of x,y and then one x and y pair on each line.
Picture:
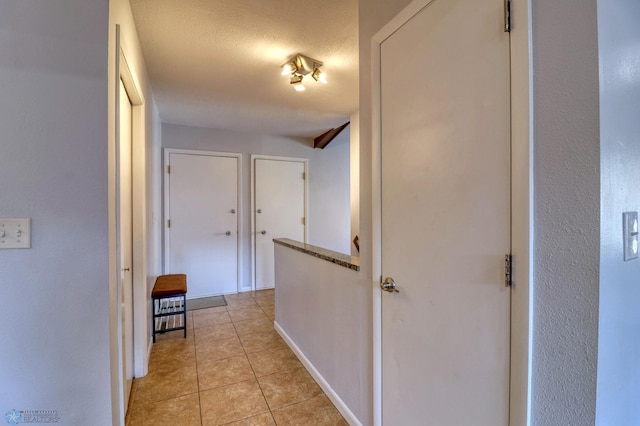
x,y
289,68
296,82
319,75
300,66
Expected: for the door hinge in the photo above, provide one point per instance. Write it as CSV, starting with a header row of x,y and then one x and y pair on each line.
x,y
169,169
304,221
507,16
507,270
169,223
304,175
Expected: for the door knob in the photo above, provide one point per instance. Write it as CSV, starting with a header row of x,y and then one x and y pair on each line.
x,y
259,210
389,285
263,232
233,211
228,233
126,269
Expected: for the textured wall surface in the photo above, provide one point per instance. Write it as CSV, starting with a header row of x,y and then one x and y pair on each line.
x,y
619,331
566,209
53,169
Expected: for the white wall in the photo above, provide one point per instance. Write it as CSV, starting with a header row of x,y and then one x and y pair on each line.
x,y
315,310
329,217
355,179
330,194
53,169
619,327
566,210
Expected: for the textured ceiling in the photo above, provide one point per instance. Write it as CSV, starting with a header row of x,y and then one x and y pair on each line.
x,y
216,63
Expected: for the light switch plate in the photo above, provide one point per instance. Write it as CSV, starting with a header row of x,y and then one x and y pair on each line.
x,y
630,235
15,233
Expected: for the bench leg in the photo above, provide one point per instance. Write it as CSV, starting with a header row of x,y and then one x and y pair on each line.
x,y
184,308
153,319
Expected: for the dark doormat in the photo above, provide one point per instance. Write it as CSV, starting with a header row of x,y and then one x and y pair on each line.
x,y
205,302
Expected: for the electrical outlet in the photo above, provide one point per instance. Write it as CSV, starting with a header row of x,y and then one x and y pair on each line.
x,y
630,235
15,233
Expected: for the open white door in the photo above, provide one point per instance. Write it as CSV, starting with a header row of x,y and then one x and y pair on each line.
x,y
445,215
125,240
128,287
202,213
279,210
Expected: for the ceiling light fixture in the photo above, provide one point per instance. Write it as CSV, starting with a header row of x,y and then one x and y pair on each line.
x,y
296,82
289,68
319,75
300,66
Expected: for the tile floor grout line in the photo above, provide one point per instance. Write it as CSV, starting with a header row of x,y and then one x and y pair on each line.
x,y
277,372
151,402
255,376
258,381
195,355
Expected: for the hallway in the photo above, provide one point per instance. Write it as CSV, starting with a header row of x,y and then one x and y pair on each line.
x,y
232,369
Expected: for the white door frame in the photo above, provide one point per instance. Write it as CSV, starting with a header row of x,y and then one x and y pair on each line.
x,y
124,72
125,236
139,208
165,182
521,202
253,205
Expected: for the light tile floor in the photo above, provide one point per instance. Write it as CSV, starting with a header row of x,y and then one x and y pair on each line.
x,y
232,369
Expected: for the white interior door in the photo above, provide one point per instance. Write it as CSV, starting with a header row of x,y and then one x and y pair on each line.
x,y
203,213
279,200
126,241
445,195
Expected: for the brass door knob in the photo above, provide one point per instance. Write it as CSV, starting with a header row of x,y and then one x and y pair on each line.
x,y
389,285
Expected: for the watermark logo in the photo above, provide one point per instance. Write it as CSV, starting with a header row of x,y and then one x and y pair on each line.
x,y
14,417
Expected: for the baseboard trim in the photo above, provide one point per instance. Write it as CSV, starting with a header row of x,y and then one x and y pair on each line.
x,y
146,364
333,396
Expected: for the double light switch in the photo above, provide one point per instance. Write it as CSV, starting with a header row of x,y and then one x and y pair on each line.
x,y
15,233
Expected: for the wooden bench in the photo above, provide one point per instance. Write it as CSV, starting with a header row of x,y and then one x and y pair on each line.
x,y
169,304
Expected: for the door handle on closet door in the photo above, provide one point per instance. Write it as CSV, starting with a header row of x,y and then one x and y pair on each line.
x,y
389,285
263,232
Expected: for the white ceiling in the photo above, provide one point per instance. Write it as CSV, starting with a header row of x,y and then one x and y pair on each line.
x,y
216,63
